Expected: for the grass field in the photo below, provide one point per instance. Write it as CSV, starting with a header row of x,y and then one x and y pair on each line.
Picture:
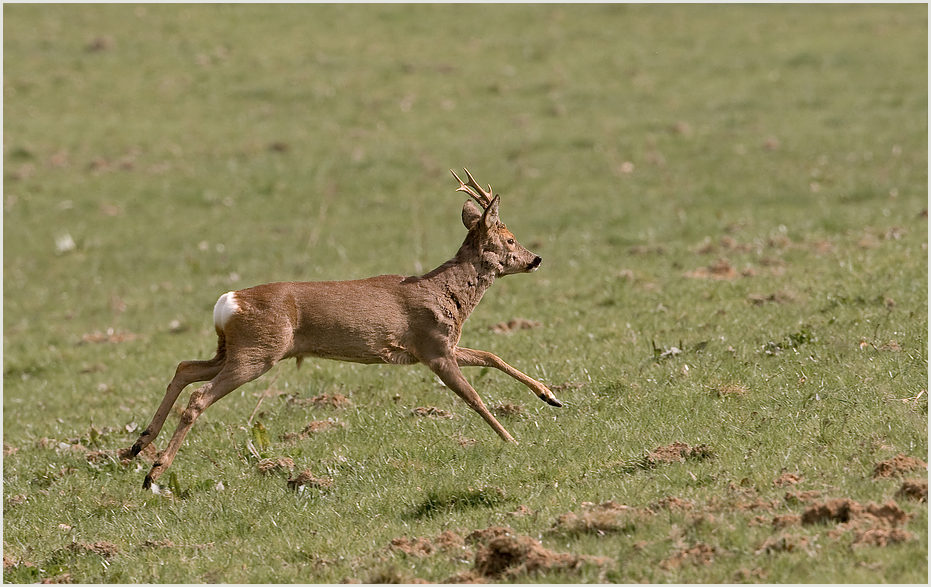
x,y
731,205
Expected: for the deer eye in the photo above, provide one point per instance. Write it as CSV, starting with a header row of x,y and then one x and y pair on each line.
x,y
510,241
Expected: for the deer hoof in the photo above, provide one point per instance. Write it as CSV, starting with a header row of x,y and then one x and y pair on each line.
x,y
551,401
154,473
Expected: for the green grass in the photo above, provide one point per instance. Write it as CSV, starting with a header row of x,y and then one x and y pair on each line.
x,y
189,150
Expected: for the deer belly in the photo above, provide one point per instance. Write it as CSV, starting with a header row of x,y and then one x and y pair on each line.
x,y
354,347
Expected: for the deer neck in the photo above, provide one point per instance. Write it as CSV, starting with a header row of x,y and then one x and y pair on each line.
x,y
461,282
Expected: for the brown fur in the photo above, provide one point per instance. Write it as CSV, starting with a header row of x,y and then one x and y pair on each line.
x,y
385,319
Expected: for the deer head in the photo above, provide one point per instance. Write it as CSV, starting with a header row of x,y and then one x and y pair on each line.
x,y
496,244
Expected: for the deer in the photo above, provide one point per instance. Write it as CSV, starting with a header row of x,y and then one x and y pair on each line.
x,y
388,319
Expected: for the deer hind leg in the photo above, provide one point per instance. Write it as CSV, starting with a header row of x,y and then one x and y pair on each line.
x,y
473,358
448,371
231,376
187,372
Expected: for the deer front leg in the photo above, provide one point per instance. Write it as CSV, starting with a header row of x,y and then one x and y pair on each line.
x,y
473,358
448,371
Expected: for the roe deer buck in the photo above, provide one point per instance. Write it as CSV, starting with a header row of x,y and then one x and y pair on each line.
x,y
385,319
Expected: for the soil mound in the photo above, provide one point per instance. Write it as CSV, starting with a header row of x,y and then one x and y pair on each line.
x,y
432,412
306,478
312,428
269,466
784,543
698,554
418,547
600,519
446,541
787,479
897,465
846,510
677,452
510,555
916,489
881,537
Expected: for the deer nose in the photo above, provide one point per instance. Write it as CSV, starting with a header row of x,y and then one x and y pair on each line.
x,y
534,264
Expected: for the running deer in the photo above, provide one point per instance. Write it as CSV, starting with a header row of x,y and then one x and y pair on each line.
x,y
386,319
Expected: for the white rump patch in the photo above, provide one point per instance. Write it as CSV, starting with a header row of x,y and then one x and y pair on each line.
x,y
226,307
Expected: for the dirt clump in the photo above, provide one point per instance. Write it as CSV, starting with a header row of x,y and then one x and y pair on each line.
x,y
11,563
521,511
881,537
336,400
834,510
306,479
698,554
391,576
449,540
720,269
269,466
755,575
418,547
916,489
871,524
730,390
787,479
677,452
509,555
432,412
779,297
466,577
483,536
446,541
507,410
897,465
514,324
672,504
312,428
784,543
102,548
18,499
601,519
163,543
786,520
801,496
319,426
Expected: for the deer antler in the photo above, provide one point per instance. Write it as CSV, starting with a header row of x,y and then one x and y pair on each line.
x,y
472,188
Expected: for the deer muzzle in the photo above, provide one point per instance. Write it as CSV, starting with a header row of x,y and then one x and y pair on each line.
x,y
532,266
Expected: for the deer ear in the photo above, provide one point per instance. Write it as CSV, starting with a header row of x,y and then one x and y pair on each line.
x,y
490,217
471,214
